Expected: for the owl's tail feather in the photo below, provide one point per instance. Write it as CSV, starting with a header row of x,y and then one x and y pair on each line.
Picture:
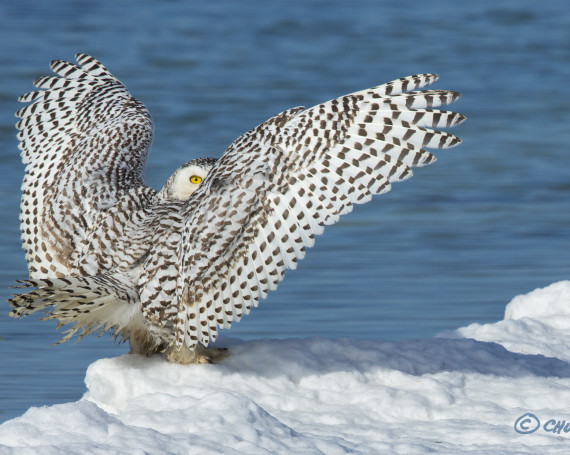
x,y
91,304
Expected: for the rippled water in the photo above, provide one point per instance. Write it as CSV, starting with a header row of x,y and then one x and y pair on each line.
x,y
452,246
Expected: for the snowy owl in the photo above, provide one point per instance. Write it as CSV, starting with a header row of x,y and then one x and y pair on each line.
x,y
167,269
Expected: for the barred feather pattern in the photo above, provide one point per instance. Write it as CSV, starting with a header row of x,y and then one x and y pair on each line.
x,y
89,304
84,141
190,268
276,188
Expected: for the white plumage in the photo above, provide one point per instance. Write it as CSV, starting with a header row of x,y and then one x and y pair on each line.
x,y
166,270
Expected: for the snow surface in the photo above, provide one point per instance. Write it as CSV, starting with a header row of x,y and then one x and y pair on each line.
x,y
460,392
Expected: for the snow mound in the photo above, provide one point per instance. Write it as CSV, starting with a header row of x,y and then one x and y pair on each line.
x,y
475,390
534,323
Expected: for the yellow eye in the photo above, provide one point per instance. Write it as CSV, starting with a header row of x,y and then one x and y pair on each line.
x,y
195,179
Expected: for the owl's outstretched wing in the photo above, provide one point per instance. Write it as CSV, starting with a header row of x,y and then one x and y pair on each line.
x,y
84,141
274,190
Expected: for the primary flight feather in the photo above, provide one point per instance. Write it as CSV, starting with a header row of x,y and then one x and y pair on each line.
x,y
167,269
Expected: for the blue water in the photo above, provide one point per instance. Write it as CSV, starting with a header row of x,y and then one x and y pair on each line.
x,y
450,247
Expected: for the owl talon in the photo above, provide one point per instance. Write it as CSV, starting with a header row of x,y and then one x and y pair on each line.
x,y
216,354
201,355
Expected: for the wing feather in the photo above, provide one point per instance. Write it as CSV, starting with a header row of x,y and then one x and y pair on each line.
x,y
84,141
277,186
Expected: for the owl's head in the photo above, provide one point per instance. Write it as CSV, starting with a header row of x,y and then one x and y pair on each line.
x,y
186,179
